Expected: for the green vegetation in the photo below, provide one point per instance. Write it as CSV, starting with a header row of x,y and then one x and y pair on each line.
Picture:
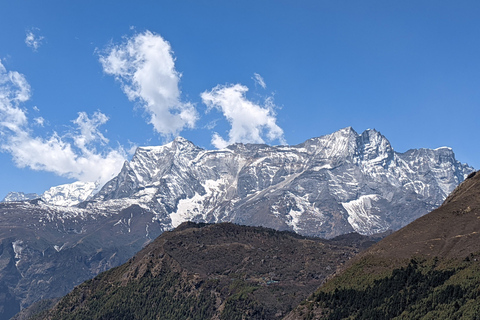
x,y
421,290
222,271
148,298
241,304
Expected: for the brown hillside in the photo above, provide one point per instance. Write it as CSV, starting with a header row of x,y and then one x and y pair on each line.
x,y
220,271
450,231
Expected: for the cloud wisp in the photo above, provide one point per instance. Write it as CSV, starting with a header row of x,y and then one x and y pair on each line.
x,y
72,155
33,40
145,67
249,121
259,80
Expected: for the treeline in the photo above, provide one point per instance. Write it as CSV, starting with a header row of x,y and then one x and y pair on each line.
x,y
165,296
412,292
162,297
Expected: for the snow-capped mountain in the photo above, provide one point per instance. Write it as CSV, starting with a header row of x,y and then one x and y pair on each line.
x,y
69,194
326,186
19,196
65,195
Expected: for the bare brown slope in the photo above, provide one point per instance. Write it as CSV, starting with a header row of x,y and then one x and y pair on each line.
x,y
450,231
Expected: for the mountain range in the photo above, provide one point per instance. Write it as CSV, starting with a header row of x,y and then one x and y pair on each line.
x,y
427,270
326,187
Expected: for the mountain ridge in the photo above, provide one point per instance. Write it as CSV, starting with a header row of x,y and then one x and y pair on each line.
x,y
180,181
401,277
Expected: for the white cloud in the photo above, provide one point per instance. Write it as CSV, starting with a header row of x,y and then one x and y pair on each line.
x,y
145,66
39,121
211,125
133,147
89,129
259,80
73,155
33,40
14,89
249,121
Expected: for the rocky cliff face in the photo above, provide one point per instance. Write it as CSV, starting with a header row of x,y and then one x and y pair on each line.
x,y
325,187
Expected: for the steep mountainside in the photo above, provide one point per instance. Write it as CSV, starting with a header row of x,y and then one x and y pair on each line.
x,y
430,269
324,187
45,251
220,271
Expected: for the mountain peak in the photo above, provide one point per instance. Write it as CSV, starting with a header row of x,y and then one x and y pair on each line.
x,y
180,139
69,194
347,131
374,145
20,196
182,143
359,176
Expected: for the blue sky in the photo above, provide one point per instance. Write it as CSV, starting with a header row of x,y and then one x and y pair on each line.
x,y
85,82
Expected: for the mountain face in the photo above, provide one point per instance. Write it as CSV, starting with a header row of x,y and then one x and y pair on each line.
x,y
19,196
326,186
220,271
69,194
427,270
65,195
47,250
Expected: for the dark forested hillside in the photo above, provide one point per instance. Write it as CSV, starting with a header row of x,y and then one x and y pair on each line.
x,y
221,271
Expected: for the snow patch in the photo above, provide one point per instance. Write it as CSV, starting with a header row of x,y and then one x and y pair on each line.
x,y
17,249
361,214
199,204
58,248
67,195
303,211
186,209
